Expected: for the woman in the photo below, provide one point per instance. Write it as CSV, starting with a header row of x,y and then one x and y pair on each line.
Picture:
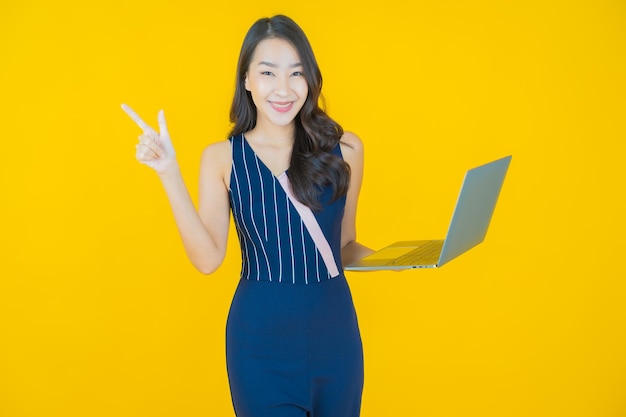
x,y
291,178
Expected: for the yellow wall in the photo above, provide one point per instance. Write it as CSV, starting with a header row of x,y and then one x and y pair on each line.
x,y
102,315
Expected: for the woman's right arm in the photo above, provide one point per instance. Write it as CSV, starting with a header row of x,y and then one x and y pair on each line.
x,y
204,232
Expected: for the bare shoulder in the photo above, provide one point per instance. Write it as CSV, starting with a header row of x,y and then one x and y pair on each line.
x,y
351,148
351,140
217,153
216,158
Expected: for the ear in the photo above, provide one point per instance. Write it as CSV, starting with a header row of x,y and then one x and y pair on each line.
x,y
245,82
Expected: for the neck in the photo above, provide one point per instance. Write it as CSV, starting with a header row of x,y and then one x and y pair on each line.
x,y
275,135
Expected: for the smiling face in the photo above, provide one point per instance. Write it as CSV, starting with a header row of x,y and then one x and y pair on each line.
x,y
276,83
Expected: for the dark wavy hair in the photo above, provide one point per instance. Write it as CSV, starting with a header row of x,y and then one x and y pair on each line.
x,y
312,165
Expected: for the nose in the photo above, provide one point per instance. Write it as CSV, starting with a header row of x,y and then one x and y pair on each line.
x,y
282,86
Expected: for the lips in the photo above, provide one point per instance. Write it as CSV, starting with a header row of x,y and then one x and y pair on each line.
x,y
282,106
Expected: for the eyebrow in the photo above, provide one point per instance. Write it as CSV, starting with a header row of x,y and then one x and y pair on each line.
x,y
269,64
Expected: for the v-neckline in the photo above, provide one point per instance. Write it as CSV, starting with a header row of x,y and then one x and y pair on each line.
x,y
258,158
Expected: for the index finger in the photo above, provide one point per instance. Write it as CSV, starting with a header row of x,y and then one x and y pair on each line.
x,y
136,118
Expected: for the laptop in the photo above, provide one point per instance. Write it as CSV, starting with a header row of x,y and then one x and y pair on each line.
x,y
468,227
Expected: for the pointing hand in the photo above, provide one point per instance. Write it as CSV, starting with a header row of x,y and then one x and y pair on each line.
x,y
154,148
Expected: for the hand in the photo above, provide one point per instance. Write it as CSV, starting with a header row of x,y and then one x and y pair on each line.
x,y
154,148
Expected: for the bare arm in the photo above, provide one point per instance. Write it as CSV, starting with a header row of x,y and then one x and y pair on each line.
x,y
204,233
352,150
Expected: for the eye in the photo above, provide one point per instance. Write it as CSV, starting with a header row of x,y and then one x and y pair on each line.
x,y
297,74
267,73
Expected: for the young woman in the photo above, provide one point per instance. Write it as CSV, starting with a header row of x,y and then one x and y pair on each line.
x,y
291,177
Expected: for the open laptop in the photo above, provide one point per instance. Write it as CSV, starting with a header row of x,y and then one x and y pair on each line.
x,y
468,227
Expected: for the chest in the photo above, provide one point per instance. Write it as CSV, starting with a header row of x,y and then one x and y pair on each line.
x,y
274,157
276,160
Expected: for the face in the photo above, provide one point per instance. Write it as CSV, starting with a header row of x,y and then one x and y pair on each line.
x,y
276,82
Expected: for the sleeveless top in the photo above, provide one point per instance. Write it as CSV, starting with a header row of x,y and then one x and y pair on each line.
x,y
275,244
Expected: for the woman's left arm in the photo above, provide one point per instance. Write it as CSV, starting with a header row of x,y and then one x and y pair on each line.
x,y
352,150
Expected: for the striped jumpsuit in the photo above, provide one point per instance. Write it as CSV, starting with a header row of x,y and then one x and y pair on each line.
x,y
293,346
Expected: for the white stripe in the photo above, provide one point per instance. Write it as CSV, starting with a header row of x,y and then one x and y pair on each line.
x,y
306,278
256,230
280,258
243,225
233,204
245,228
317,265
293,268
237,215
262,195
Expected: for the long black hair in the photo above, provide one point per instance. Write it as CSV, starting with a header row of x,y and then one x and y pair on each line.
x,y
312,165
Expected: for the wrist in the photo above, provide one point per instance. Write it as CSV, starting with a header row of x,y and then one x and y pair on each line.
x,y
170,172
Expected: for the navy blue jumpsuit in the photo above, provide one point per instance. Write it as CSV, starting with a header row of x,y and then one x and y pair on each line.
x,y
293,346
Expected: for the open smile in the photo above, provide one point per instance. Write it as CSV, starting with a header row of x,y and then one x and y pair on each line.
x,y
282,106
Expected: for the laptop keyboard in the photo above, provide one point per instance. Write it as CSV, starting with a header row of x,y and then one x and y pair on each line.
x,y
426,254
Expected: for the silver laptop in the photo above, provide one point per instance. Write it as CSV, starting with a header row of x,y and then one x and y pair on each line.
x,y
468,227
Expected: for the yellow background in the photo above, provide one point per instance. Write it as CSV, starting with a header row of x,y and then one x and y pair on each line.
x,y
102,315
